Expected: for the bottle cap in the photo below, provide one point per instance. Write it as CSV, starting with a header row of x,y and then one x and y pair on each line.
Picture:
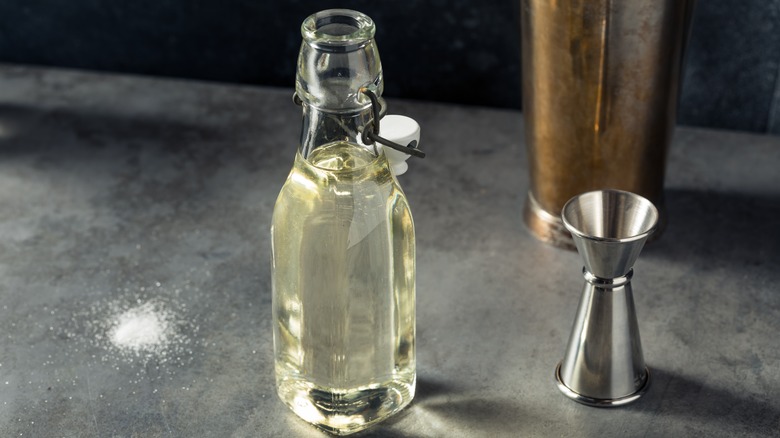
x,y
402,130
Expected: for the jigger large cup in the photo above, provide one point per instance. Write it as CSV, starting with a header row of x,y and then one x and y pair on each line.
x,y
603,364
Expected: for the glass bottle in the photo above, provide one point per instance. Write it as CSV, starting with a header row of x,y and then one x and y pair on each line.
x,y
343,251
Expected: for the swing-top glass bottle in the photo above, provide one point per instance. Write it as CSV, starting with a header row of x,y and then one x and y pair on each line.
x,y
343,244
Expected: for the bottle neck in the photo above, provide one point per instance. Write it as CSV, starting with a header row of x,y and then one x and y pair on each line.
x,y
338,58
322,127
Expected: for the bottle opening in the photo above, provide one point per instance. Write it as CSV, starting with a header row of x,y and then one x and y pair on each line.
x,y
338,30
338,25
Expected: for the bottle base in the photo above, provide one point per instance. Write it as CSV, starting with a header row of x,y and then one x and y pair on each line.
x,y
343,412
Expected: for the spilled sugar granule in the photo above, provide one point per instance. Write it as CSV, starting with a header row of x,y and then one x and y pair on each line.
x,y
144,328
134,329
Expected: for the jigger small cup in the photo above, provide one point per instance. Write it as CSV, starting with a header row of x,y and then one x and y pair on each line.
x,y
603,365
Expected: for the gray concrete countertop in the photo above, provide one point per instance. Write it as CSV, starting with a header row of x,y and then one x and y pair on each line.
x,y
118,192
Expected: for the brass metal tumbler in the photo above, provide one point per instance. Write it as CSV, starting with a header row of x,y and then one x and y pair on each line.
x,y
600,85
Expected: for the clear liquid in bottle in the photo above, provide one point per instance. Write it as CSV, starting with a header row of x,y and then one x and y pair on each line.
x,y
343,261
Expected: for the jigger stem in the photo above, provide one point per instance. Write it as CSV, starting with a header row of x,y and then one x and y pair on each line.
x,y
604,365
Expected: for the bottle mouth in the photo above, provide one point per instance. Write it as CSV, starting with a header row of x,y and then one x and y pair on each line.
x,y
338,30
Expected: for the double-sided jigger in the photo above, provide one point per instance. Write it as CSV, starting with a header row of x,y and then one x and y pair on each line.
x,y
603,364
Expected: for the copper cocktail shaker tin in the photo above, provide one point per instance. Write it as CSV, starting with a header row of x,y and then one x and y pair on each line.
x,y
600,86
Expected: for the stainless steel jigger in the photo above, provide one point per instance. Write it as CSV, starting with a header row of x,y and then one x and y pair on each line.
x,y
603,365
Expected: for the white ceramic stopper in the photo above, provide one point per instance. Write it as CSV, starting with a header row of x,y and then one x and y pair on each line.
x,y
402,130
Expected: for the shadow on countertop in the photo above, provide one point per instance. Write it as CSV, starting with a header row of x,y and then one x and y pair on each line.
x,y
76,140
671,394
721,230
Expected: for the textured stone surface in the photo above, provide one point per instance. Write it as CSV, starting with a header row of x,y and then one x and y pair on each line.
x,y
119,189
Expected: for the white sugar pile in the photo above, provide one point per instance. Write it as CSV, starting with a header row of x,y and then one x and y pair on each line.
x,y
135,328
145,328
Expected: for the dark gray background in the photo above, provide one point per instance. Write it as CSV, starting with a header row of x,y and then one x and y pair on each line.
x,y
463,51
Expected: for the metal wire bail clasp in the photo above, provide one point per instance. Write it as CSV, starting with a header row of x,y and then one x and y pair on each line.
x,y
370,133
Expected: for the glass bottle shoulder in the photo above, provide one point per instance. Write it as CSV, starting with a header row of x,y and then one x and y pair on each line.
x,y
342,168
